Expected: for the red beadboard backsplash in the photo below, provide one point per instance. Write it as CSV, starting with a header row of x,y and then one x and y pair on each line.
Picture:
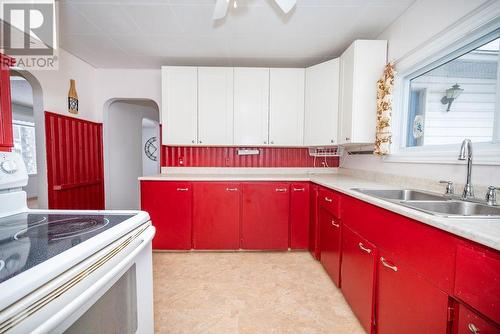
x,y
174,156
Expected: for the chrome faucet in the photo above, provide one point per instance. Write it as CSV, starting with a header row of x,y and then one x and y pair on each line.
x,y
466,154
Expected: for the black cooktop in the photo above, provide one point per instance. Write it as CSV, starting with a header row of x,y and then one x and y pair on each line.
x,y
28,239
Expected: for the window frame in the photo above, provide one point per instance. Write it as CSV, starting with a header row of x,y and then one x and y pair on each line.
x,y
487,153
28,125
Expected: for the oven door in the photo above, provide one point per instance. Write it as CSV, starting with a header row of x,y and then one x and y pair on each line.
x,y
111,292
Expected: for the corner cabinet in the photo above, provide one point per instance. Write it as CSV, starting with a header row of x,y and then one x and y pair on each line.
x,y
6,140
251,106
361,65
179,112
286,106
321,104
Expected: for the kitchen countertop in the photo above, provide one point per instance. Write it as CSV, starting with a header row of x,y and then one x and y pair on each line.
x,y
483,231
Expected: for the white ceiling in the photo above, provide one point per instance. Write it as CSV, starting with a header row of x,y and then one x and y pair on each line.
x,y
151,33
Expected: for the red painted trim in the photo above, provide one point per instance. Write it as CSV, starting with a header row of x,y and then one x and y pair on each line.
x,y
75,169
6,139
176,156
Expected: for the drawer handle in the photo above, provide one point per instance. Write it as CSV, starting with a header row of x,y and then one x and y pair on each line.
x,y
387,265
231,189
328,199
281,190
335,224
363,248
182,189
472,328
298,189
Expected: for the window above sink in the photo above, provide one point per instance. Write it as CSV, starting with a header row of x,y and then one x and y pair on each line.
x,y
448,96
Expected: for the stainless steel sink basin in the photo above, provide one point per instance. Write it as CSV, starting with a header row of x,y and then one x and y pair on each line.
x,y
402,194
455,208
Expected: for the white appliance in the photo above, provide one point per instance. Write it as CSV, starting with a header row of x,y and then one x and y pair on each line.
x,y
71,271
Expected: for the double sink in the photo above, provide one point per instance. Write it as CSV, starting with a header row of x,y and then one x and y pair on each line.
x,y
435,204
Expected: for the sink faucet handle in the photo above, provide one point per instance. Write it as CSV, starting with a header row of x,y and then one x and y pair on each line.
x,y
450,189
491,195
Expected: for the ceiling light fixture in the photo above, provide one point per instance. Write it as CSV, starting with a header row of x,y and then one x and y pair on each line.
x,y
221,7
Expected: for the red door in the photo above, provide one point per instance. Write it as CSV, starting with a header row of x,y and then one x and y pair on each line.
x,y
6,140
299,215
358,275
169,206
330,244
74,163
265,214
216,215
314,228
408,303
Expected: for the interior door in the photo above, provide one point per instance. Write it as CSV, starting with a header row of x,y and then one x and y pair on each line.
x,y
286,107
215,105
251,106
216,215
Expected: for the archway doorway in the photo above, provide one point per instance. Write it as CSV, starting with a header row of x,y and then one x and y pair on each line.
x,y
131,149
29,134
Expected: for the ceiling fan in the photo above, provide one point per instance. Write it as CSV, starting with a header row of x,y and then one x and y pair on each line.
x,y
221,7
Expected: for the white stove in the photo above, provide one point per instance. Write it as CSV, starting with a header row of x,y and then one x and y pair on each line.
x,y
60,271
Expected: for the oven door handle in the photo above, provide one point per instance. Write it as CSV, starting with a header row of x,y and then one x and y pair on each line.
x,y
140,243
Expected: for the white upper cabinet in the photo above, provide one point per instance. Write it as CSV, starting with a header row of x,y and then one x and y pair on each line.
x,y
179,105
251,106
321,104
215,105
361,65
286,106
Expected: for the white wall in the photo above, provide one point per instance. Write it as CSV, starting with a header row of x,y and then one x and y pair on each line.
x,y
424,20
127,84
55,87
150,129
123,150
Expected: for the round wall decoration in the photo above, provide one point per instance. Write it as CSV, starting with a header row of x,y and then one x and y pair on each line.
x,y
151,148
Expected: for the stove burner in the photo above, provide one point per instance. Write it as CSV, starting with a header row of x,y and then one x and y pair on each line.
x,y
63,228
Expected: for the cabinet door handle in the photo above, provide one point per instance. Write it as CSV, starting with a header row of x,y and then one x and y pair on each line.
x,y
387,265
334,224
231,189
182,189
328,199
363,248
281,190
298,189
472,328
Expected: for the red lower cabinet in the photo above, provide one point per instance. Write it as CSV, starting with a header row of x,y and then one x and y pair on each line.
x,y
169,205
314,229
216,215
330,244
406,302
265,216
358,276
299,215
469,322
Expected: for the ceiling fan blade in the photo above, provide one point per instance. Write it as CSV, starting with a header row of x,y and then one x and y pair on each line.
x,y
220,10
286,5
